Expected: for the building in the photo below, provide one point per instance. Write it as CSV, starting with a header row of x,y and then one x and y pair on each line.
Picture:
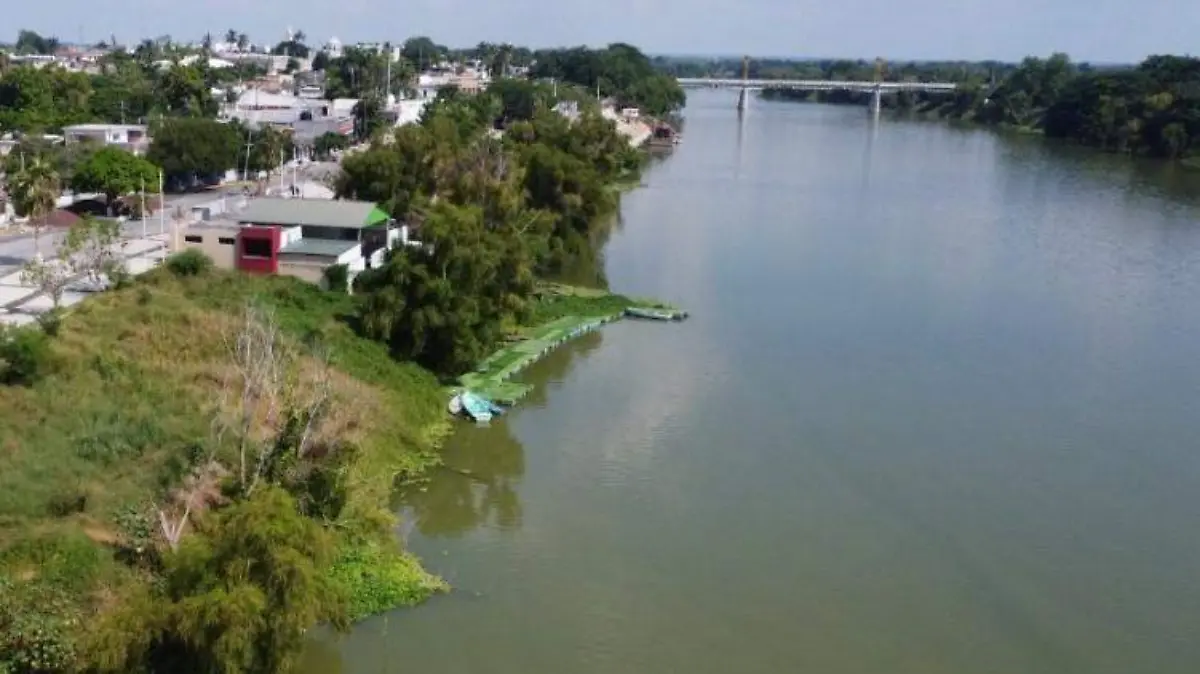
x,y
132,137
299,237
217,240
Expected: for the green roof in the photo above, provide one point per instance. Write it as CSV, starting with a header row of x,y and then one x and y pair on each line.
x,y
313,212
321,247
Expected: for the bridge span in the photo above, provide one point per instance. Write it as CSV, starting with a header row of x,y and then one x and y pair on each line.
x,y
814,85
876,89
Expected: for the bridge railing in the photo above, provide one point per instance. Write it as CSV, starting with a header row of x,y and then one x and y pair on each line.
x,y
816,85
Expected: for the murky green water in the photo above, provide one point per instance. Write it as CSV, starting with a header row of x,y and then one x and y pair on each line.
x,y
936,411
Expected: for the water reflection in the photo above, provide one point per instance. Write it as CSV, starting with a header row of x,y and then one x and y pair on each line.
x,y
478,484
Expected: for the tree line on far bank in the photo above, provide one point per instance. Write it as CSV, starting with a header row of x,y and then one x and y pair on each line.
x,y
1150,109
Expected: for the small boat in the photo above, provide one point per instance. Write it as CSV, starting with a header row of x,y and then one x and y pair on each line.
x,y
477,407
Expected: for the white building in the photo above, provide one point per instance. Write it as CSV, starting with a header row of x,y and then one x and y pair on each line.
x,y
131,137
334,48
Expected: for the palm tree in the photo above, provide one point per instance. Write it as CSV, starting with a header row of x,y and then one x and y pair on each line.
x,y
231,36
35,191
298,37
243,41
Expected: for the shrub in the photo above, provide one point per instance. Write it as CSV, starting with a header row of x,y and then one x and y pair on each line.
x,y
24,355
36,627
337,278
189,263
375,576
50,321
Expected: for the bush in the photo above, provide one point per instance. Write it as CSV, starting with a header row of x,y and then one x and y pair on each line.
x,y
189,263
337,278
376,577
24,355
50,321
36,628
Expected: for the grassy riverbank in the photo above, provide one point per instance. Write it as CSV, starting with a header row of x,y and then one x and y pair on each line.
x,y
132,383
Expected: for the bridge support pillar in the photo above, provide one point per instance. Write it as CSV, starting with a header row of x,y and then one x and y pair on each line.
x,y
743,99
876,100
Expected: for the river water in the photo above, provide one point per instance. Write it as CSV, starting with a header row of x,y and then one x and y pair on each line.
x,y
936,411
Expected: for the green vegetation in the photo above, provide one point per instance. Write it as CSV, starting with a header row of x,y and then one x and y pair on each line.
x,y
198,465
493,213
557,313
1151,109
123,519
114,172
619,70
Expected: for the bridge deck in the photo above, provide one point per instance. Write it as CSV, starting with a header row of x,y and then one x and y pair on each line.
x,y
815,85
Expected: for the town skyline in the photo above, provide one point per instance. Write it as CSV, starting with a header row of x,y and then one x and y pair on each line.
x,y
1103,31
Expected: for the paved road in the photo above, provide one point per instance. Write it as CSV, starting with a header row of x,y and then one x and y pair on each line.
x,y
18,248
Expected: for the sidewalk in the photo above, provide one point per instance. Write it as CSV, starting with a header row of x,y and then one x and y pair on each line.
x,y
20,303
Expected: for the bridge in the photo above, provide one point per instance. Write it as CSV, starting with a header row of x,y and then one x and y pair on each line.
x,y
877,88
815,85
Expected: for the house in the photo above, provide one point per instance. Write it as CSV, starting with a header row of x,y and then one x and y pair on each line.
x,y
302,238
131,137
217,240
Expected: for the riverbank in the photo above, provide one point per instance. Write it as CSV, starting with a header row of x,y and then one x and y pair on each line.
x,y
119,412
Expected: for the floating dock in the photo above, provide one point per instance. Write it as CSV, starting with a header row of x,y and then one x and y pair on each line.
x,y
656,314
491,380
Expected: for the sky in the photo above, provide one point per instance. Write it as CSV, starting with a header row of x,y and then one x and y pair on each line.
x,y
1091,30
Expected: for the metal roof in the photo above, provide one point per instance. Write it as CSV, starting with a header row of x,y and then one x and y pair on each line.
x,y
322,247
313,212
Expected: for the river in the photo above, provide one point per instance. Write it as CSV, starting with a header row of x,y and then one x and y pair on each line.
x,y
936,411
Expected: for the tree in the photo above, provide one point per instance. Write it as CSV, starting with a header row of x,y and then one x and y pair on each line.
x,y
269,148
35,192
368,117
321,61
328,142
115,173
270,386
29,42
231,36
239,596
94,250
188,147
363,72
43,99
50,277
422,51
243,41
185,91
292,48
619,70
444,304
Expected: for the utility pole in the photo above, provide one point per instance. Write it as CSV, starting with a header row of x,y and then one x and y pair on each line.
x,y
249,147
144,213
162,208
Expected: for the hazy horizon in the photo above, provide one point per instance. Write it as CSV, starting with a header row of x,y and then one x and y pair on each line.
x,y
1100,31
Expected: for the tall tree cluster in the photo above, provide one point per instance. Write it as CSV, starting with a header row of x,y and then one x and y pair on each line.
x,y
491,212
620,71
